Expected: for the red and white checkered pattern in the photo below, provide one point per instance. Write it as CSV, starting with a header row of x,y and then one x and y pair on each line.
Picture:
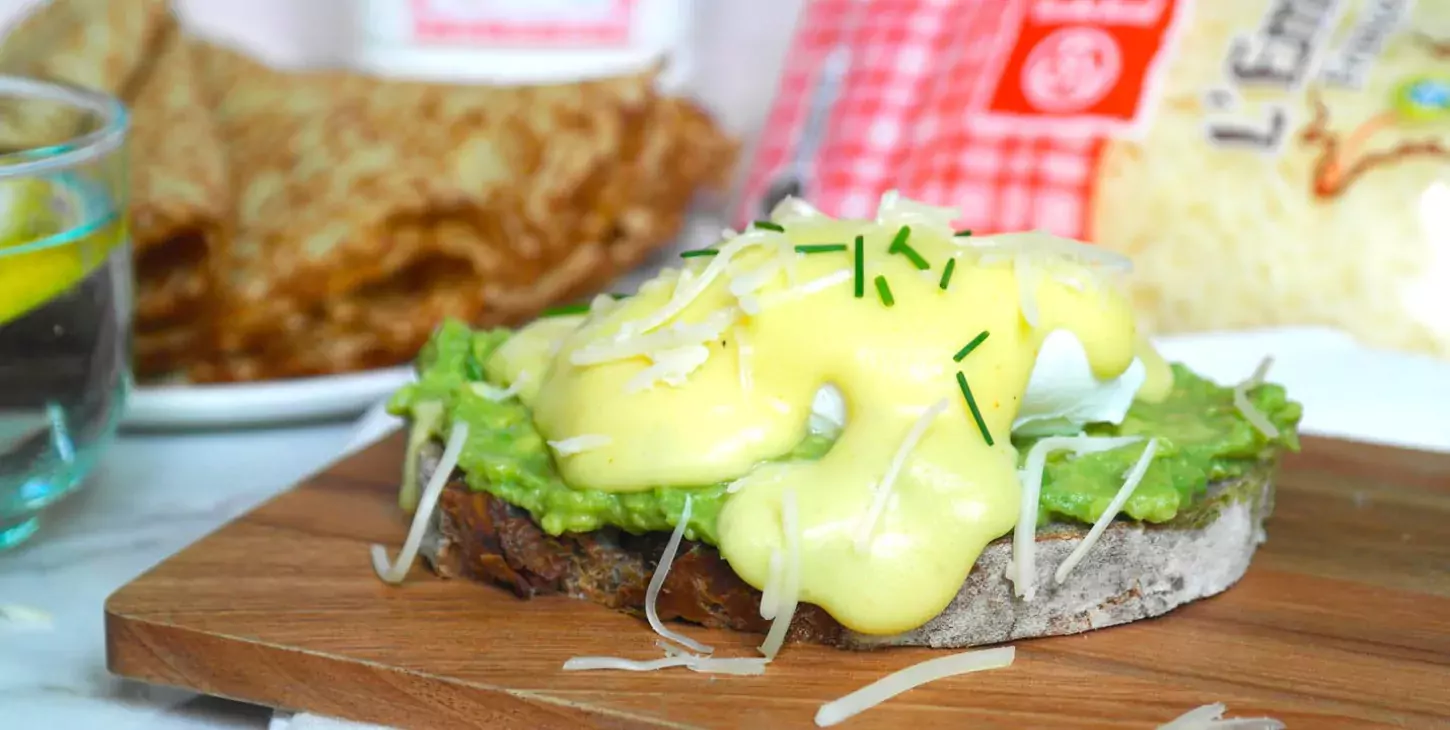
x,y
453,21
921,111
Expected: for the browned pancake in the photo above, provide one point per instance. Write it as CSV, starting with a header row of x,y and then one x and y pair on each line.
x,y
179,194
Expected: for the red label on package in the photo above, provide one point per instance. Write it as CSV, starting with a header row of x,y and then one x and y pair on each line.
x,y
1088,60
996,107
551,23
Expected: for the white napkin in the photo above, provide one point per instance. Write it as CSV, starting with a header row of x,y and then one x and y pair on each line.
x,y
1348,390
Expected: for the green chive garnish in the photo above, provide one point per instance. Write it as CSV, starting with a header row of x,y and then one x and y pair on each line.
x,y
946,274
820,248
964,232
962,353
698,252
884,291
860,267
472,367
770,226
618,297
898,245
972,404
566,310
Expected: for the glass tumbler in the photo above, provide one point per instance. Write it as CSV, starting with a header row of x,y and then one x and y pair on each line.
x,y
65,292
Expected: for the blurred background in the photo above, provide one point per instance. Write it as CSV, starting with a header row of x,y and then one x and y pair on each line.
x,y
314,186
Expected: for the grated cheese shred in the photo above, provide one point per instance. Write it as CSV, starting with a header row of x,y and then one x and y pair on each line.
x,y
743,353
879,499
580,444
770,595
491,392
1023,569
657,582
893,209
1026,293
395,572
686,293
793,209
802,291
706,665
1210,717
1245,407
911,677
1039,244
1135,476
671,367
789,596
683,652
629,346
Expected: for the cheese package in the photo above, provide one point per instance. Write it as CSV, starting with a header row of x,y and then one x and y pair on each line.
x,y
1264,162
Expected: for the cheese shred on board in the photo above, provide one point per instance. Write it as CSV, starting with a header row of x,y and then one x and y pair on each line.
x,y
913,676
1210,717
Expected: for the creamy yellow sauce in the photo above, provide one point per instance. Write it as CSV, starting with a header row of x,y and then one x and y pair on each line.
x,y
891,363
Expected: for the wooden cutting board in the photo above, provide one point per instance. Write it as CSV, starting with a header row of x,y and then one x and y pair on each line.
x,y
1343,621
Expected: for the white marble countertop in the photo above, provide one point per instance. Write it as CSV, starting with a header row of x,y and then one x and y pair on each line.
x,y
151,496
154,494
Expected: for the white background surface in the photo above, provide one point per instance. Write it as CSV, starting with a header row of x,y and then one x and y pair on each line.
x,y
153,495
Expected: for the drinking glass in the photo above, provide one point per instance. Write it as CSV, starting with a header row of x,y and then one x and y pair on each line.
x,y
65,292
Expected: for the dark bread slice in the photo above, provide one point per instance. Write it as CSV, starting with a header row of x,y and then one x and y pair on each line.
x,y
1135,570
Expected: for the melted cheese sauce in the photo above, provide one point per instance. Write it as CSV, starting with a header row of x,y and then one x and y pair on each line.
x,y
675,410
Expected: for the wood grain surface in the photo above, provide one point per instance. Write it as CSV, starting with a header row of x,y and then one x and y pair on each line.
x,y
1342,622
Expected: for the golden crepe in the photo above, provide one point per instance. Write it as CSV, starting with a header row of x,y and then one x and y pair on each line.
x,y
179,195
354,233
289,224
96,44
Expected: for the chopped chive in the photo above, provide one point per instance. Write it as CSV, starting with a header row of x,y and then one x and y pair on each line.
x,y
898,245
617,297
946,274
972,404
820,248
884,291
770,226
472,368
698,252
899,239
915,257
566,310
860,266
962,353
964,232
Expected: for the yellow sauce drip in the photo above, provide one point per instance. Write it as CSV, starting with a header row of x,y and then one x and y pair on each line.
x,y
955,493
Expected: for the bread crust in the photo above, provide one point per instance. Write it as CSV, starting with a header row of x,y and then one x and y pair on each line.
x,y
1135,571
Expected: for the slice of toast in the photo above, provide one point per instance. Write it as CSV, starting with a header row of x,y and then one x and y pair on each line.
x,y
1135,571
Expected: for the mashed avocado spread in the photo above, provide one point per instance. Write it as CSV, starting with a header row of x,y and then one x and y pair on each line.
x,y
1202,438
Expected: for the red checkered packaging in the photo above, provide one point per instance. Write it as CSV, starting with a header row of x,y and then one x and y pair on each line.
x,y
1264,162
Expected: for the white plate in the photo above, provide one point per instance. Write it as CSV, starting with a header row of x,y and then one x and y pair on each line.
x,y
267,403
